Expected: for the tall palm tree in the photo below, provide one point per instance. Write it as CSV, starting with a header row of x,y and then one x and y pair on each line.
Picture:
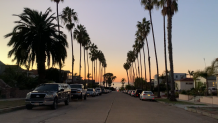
x,y
148,5
79,34
87,48
93,50
143,30
162,3
126,67
69,16
35,39
169,10
57,2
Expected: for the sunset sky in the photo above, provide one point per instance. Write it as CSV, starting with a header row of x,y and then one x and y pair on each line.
x,y
111,25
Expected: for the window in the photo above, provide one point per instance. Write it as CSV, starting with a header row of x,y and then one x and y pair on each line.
x,y
176,76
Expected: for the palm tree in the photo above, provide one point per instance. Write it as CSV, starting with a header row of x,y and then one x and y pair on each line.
x,y
87,48
162,3
85,41
79,34
68,16
169,10
191,73
143,30
126,67
93,49
35,39
148,5
123,82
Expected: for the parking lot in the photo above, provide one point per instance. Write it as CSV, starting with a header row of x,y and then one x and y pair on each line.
x,y
115,107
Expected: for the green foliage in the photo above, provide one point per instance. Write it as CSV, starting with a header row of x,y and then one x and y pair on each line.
x,y
129,87
140,83
15,78
162,87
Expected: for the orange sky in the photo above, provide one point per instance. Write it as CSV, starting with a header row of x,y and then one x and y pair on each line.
x,y
112,30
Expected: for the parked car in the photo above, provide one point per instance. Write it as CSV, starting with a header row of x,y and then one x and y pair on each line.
x,y
91,92
78,91
132,93
146,95
212,90
129,92
48,94
137,92
98,90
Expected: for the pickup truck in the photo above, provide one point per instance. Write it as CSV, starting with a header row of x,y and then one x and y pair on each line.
x,y
78,91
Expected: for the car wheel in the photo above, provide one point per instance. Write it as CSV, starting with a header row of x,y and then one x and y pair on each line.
x,y
55,104
67,101
29,107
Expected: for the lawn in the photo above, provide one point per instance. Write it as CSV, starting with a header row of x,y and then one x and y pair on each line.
x,y
177,102
12,103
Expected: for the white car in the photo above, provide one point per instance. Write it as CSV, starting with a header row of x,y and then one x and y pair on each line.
x,y
146,95
132,93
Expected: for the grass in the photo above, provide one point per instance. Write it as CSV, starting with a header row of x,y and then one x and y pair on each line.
x,y
12,103
177,102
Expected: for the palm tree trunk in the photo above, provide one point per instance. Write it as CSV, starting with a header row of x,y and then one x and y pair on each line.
x,y
41,70
138,68
72,54
59,35
170,50
87,62
141,69
149,63
165,55
97,70
145,69
84,64
80,63
92,70
133,73
127,76
158,94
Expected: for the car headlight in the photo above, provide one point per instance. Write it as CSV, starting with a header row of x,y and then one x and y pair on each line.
x,y
28,95
49,96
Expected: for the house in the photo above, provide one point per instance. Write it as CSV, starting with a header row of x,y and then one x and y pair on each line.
x,y
177,76
3,67
211,81
184,84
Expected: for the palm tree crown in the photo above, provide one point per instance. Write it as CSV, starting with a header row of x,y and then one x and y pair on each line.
x,y
35,39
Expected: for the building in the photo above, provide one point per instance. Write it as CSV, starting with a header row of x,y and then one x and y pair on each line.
x,y
3,67
177,76
211,81
184,84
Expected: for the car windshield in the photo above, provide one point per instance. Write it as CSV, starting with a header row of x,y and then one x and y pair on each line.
x,y
148,92
89,89
75,86
47,87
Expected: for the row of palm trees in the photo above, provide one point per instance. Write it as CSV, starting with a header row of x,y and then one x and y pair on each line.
x,y
37,39
70,18
169,7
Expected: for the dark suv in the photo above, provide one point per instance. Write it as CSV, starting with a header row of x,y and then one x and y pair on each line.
x,y
48,94
137,92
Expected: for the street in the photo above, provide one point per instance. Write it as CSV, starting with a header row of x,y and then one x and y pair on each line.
x,y
115,107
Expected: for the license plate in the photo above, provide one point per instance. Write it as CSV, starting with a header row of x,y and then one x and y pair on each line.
x,y
148,94
36,103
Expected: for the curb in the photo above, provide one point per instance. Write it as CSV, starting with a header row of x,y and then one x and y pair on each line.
x,y
5,110
194,110
202,112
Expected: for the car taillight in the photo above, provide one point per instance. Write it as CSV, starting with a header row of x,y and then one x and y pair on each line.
x,y
136,94
144,94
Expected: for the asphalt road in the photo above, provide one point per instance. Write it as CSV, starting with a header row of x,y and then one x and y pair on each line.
x,y
114,107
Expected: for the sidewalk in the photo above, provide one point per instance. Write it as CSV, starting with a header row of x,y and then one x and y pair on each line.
x,y
197,107
11,99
